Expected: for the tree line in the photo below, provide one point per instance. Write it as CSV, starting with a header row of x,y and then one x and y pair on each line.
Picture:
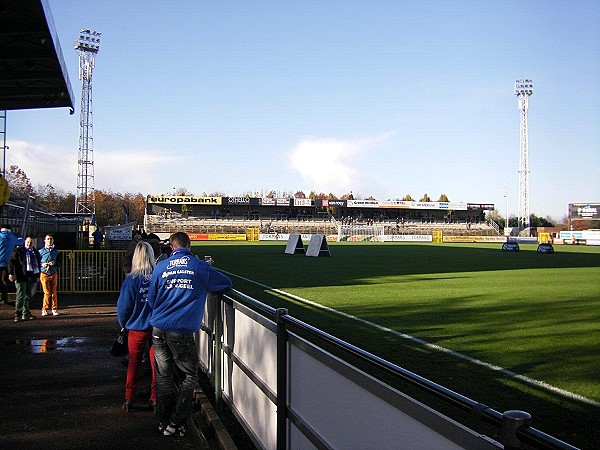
x,y
113,207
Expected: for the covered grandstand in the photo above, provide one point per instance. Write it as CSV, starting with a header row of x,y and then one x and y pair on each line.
x,y
193,214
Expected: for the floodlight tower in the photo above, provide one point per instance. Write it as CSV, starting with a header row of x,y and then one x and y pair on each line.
x,y
523,89
87,45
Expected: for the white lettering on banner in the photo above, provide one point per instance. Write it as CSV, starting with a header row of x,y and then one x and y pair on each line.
x,y
404,204
302,202
238,200
587,211
363,203
119,233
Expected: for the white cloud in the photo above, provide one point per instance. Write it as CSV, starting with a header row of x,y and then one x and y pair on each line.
x,y
43,165
333,165
133,171
119,171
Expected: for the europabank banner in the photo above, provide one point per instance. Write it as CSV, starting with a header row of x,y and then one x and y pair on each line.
x,y
587,211
183,200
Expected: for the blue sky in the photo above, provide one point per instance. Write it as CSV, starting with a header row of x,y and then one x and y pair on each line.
x,y
382,98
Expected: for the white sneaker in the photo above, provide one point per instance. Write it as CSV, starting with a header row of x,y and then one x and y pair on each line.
x,y
44,313
54,312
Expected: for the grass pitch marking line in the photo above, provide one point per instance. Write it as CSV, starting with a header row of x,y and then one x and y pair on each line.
x,y
509,373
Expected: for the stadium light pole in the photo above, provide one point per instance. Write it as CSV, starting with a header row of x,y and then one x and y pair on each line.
x,y
88,46
523,89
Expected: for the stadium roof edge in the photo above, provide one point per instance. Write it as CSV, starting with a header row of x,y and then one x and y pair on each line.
x,y
33,73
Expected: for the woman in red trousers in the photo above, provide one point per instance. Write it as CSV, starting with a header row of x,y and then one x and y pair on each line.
x,y
133,313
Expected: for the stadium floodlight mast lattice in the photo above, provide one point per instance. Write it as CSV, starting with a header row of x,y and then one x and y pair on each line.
x,y
87,45
523,89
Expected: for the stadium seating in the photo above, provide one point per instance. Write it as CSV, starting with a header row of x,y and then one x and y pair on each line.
x,y
303,225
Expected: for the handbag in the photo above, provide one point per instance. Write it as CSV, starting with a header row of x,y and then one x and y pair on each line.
x,y
120,346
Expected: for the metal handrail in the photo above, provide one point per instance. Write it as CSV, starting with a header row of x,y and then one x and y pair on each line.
x,y
478,410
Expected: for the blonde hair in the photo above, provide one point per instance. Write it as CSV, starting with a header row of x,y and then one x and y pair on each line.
x,y
143,261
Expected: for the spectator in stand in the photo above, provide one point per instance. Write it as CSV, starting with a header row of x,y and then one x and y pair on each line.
x,y
49,275
24,270
98,238
133,312
177,297
8,242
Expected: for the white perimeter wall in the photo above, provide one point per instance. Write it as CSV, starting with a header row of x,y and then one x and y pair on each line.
x,y
329,401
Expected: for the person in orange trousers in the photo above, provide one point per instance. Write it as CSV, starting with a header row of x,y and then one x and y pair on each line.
x,y
49,275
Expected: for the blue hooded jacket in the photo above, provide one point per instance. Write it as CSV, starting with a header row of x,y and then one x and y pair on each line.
x,y
133,310
8,242
178,291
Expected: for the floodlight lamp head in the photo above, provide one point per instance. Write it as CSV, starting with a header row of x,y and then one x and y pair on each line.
x,y
88,41
523,87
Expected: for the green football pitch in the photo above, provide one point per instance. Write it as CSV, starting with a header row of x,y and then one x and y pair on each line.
x,y
513,330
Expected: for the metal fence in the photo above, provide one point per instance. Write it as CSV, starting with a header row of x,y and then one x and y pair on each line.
x,y
90,270
290,393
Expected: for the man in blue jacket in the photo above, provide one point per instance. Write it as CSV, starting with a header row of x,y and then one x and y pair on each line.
x,y
8,242
177,296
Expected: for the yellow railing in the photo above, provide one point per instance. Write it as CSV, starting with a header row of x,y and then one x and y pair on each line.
x,y
90,271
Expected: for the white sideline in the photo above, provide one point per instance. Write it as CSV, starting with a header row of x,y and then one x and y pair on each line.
x,y
493,367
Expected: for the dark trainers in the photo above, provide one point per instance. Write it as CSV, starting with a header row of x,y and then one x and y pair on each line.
x,y
28,316
174,430
17,318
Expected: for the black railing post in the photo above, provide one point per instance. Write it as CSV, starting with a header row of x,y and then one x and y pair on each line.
x,y
218,356
282,375
511,422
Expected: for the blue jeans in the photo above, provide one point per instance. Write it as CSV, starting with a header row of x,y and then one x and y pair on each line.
x,y
176,357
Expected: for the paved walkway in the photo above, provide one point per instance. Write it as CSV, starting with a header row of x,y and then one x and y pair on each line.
x,y
61,389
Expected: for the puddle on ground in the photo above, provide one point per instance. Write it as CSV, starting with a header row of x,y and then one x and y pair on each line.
x,y
68,344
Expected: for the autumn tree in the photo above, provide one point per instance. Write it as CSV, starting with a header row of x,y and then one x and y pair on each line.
x,y
443,198
407,198
181,191
300,194
54,199
109,209
425,198
136,204
18,181
215,194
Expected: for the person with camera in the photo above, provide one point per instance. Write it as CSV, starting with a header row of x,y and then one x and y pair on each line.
x,y
177,296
